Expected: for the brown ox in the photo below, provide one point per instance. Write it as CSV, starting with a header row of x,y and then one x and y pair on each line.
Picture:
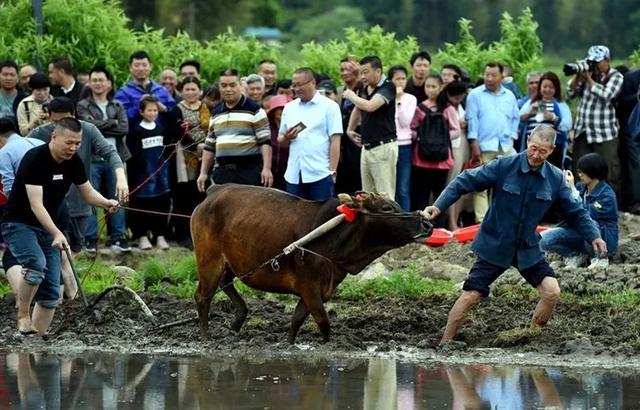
x,y
237,228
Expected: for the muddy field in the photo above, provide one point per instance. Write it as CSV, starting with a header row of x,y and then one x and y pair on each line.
x,y
377,325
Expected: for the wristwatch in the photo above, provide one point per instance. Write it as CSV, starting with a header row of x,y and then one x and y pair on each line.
x,y
333,173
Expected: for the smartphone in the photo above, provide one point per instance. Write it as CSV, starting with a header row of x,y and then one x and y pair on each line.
x,y
299,127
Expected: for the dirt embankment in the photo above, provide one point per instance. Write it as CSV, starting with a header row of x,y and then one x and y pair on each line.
x,y
383,324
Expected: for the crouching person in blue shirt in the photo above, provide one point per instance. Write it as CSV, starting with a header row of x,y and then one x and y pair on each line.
x,y
599,199
41,183
525,186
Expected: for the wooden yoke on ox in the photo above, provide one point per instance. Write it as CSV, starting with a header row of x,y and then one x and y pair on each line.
x,y
238,229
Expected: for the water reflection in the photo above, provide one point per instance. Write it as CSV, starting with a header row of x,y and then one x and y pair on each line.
x,y
115,381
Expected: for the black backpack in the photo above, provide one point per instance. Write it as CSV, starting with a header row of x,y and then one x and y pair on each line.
x,y
433,136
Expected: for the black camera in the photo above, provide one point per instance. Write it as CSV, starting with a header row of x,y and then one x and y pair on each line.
x,y
579,66
45,107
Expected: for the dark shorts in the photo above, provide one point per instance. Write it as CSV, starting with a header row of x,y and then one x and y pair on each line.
x,y
483,274
8,260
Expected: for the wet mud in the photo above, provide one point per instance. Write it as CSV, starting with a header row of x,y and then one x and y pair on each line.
x,y
581,328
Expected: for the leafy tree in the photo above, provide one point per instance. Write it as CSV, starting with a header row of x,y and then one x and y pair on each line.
x,y
95,31
519,46
326,57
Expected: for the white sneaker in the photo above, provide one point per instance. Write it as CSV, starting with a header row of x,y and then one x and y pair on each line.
x,y
599,263
574,262
161,243
144,243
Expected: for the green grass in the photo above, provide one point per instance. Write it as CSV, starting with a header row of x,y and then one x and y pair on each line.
x,y
627,297
175,273
399,283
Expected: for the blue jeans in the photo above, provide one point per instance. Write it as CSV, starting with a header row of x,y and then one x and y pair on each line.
x,y
565,242
315,191
31,246
403,177
103,179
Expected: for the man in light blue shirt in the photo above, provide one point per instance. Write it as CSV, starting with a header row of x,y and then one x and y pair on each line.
x,y
492,118
314,149
12,149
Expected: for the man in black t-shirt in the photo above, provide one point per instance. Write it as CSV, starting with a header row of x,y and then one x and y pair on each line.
x,y
375,111
42,181
420,68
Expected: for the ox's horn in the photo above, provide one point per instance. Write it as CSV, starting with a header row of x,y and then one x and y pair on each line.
x,y
347,200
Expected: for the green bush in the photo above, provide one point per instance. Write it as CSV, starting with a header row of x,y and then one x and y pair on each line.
x,y
326,57
94,32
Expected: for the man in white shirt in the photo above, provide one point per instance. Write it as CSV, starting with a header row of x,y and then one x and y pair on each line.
x,y
312,126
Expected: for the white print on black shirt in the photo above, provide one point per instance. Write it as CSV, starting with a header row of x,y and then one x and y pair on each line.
x,y
58,177
152,142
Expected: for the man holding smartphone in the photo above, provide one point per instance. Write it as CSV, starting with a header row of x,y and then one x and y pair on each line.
x,y
312,126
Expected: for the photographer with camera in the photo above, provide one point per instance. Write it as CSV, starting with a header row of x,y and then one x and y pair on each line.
x,y
596,127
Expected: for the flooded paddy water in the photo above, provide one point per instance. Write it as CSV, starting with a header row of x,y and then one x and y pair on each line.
x,y
382,354
143,381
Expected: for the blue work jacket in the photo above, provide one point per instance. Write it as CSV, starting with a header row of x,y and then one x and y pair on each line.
x,y
521,197
603,208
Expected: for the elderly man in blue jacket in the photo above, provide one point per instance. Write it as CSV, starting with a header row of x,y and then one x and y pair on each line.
x,y
525,186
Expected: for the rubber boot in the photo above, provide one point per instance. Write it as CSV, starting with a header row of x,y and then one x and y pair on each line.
x,y
42,318
26,292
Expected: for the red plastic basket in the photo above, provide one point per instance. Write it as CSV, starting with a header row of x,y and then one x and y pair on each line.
x,y
466,234
439,237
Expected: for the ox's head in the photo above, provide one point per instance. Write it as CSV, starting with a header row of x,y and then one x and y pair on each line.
x,y
380,225
385,215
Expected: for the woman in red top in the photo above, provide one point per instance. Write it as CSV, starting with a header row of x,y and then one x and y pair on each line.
x,y
430,177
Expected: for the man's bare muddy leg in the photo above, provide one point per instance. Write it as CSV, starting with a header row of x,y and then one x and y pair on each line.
x,y
458,313
549,294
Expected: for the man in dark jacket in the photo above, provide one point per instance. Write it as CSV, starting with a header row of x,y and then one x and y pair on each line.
x,y
525,187
629,150
64,82
110,117
131,93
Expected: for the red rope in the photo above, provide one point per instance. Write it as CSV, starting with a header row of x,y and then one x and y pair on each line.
x,y
185,126
146,211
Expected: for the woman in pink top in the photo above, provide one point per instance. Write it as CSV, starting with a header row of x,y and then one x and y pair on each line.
x,y
405,109
430,177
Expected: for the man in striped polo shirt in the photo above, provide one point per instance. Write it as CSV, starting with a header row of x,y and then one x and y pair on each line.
x,y
239,141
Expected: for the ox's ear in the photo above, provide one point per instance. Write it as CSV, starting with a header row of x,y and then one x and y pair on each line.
x,y
347,200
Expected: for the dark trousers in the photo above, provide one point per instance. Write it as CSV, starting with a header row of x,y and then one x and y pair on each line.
x,y
608,150
425,183
142,223
629,151
240,173
348,180
185,199
320,190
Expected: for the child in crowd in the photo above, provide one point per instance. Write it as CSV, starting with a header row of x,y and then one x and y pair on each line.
x,y
600,200
429,178
147,144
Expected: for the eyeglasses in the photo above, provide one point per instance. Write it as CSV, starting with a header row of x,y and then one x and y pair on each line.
x,y
295,85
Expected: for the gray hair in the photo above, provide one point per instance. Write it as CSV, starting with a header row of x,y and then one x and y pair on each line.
x,y
533,74
255,78
544,133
